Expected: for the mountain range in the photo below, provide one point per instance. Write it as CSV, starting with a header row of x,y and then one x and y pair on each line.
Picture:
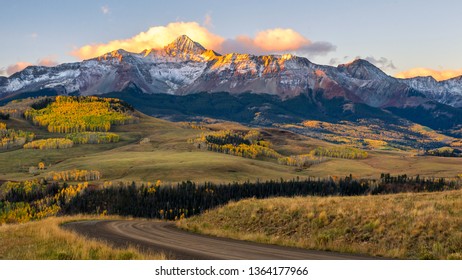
x,y
185,67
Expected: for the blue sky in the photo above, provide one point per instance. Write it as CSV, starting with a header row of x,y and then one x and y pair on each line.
x,y
395,35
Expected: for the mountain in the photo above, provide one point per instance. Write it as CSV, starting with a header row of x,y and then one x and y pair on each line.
x,y
185,67
447,92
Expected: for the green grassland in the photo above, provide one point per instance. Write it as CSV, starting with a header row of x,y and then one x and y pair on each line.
x,y
405,226
168,156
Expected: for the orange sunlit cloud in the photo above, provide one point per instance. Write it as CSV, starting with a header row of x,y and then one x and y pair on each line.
x,y
279,39
276,40
11,69
157,37
154,38
18,66
438,75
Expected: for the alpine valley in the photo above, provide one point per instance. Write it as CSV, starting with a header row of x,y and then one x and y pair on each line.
x,y
177,132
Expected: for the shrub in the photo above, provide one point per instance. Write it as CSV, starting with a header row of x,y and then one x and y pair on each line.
x,y
93,137
50,143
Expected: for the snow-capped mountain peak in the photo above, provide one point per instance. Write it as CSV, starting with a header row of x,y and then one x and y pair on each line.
x,y
185,66
184,45
363,70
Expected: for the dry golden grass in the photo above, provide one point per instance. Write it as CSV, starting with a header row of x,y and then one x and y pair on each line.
x,y
46,240
405,226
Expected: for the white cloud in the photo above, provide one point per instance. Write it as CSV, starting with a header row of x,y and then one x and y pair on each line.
x,y
154,38
277,40
105,9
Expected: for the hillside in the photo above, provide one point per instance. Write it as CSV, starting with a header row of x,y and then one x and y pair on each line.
x,y
400,226
152,149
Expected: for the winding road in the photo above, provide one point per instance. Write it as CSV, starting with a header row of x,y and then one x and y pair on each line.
x,y
164,237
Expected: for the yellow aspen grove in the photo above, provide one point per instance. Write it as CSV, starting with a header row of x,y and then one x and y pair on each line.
x,y
93,137
10,138
77,114
50,143
249,145
73,175
340,152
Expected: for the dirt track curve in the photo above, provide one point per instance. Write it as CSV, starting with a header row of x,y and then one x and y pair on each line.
x,y
178,244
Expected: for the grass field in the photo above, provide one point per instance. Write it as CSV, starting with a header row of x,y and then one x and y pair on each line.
x,y
167,156
46,240
404,226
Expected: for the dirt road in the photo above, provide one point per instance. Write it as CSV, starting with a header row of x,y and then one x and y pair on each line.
x,y
163,236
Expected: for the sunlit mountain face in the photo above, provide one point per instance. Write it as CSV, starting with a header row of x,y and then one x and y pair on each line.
x,y
185,67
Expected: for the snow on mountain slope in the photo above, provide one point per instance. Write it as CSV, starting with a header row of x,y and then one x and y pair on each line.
x,y
185,67
447,92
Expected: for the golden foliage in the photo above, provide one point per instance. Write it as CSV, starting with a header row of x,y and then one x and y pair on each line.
x,y
66,194
249,145
73,175
10,138
93,137
301,160
375,144
41,165
78,114
50,143
340,152
20,212
374,134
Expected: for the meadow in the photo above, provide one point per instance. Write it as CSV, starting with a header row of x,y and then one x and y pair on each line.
x,y
155,149
403,226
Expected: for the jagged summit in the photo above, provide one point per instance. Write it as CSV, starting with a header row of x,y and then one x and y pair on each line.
x,y
184,45
184,67
363,70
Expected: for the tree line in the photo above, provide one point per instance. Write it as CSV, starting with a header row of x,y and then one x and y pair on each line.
x,y
187,198
73,175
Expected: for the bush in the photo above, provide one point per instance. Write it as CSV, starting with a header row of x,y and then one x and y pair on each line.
x,y
50,143
93,137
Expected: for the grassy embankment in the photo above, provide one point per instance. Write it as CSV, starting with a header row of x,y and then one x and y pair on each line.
x,y
405,226
46,240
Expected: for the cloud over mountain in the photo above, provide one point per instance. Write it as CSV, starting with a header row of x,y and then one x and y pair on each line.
x,y
439,75
275,40
13,68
